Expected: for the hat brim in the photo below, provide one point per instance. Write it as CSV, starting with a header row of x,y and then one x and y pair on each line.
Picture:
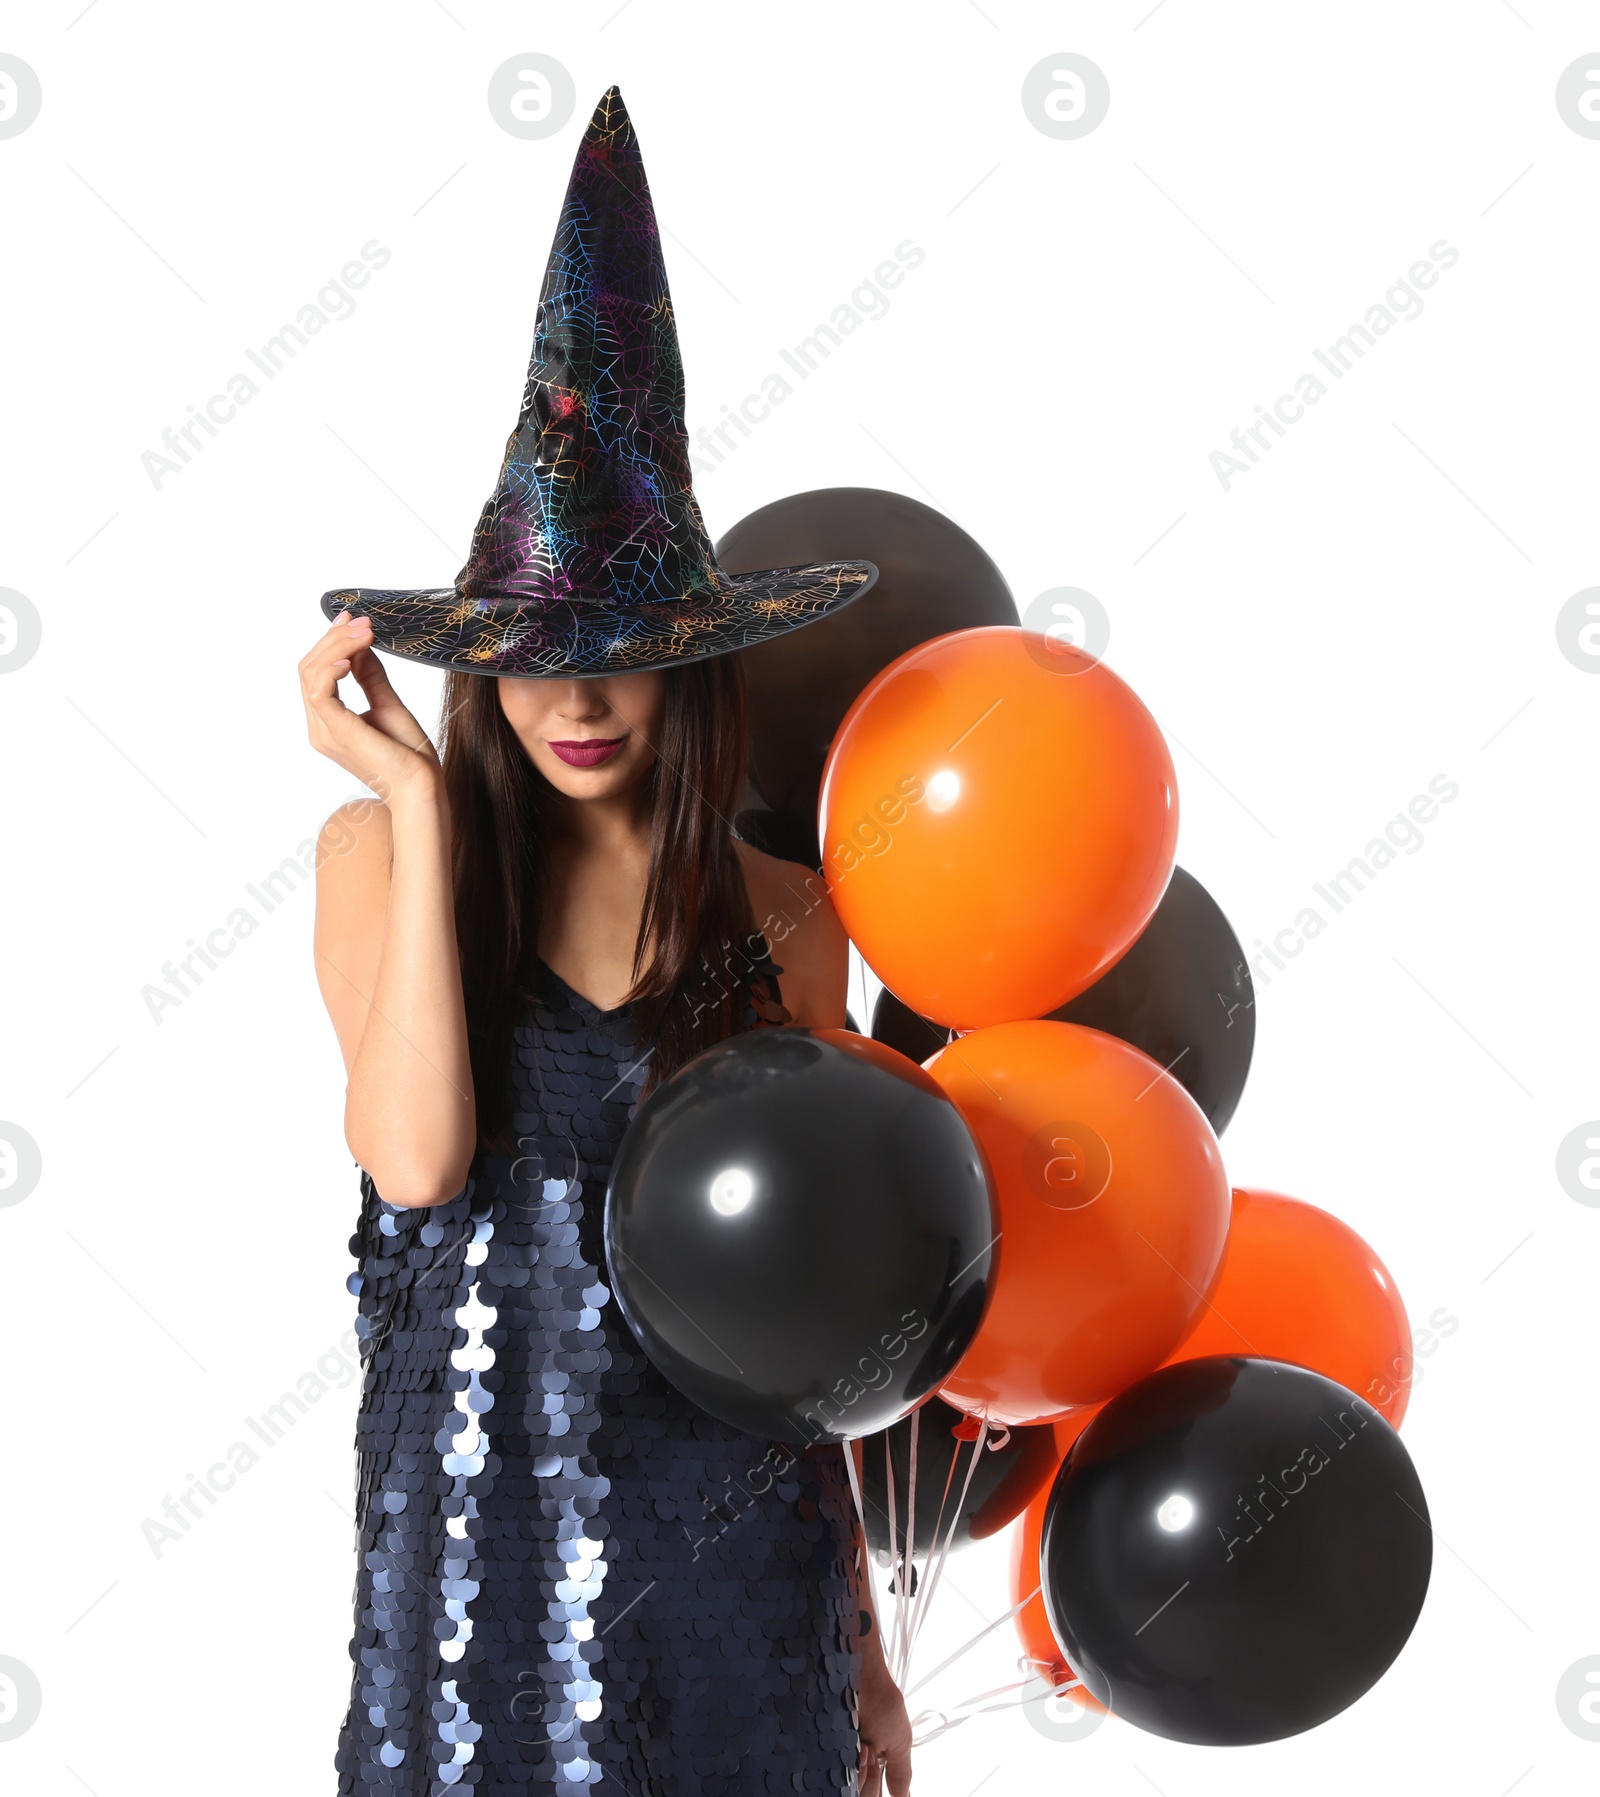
x,y
544,639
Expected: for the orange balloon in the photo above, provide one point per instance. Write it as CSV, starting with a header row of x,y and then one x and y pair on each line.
x,y
1301,1286
998,819
1113,1210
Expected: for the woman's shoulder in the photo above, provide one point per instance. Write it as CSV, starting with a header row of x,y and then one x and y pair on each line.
x,y
359,826
793,912
784,891
355,858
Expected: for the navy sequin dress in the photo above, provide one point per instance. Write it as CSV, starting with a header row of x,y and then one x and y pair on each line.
x,y
570,1575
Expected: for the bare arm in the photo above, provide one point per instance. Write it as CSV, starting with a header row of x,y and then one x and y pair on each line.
x,y
793,910
385,935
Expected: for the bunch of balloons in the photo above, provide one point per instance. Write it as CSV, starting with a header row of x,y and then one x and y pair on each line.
x,y
1188,1394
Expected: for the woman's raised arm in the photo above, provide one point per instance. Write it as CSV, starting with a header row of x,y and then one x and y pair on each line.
x,y
385,933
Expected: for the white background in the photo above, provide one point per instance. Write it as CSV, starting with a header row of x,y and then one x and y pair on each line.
x,y
1372,606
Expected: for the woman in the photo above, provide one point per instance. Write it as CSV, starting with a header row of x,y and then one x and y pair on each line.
x,y
570,1574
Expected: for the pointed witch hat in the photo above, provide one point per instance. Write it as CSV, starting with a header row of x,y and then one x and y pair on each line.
x,y
591,557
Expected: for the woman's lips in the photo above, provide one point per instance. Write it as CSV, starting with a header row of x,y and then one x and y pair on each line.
x,y
588,753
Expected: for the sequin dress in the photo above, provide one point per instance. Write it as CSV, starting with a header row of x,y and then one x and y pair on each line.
x,y
570,1574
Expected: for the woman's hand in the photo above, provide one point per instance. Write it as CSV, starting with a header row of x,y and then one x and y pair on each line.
x,y
384,747
885,1727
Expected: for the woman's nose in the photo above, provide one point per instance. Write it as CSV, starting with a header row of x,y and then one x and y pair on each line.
x,y
580,700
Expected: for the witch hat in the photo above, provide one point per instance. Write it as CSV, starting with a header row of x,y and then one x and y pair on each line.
x,y
591,557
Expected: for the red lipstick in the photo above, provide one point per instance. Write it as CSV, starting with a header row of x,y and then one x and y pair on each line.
x,y
589,752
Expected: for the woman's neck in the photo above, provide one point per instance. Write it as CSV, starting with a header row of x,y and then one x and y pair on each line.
x,y
595,867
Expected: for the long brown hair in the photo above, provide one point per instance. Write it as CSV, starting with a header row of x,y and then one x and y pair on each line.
x,y
697,934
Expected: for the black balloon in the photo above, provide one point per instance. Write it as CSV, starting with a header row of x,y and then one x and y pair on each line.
x,y
906,1031
1234,1550
799,1229
1001,1487
932,579
1182,994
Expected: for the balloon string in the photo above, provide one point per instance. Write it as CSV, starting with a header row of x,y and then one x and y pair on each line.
x,y
955,1521
948,1724
982,1635
934,1570
909,1562
861,1518
948,1721
897,1583
968,1703
917,1613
